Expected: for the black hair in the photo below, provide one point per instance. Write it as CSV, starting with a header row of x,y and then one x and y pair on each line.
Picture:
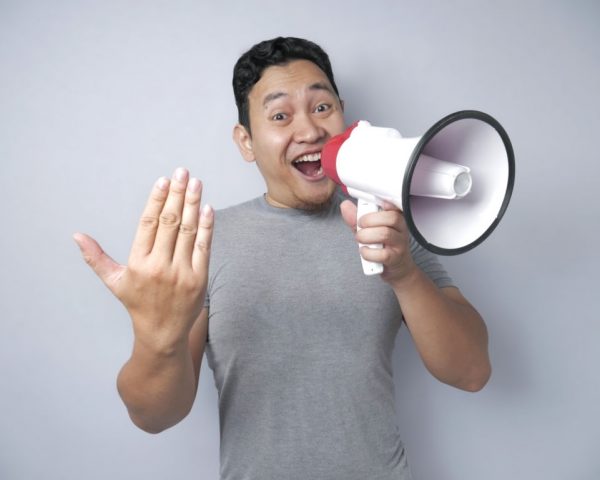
x,y
277,51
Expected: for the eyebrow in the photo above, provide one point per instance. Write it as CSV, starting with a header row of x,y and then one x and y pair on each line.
x,y
315,86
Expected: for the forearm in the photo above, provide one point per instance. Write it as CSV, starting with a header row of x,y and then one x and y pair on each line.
x,y
162,287
449,334
158,386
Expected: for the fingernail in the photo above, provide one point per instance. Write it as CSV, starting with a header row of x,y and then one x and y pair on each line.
x,y
162,183
194,185
180,174
207,210
77,237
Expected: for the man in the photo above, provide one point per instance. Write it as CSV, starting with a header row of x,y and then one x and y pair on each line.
x,y
300,341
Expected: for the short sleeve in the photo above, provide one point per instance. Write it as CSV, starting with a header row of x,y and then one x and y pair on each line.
x,y
430,264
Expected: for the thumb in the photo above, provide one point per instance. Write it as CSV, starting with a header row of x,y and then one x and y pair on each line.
x,y
348,210
105,267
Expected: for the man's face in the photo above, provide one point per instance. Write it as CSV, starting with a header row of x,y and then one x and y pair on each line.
x,y
293,111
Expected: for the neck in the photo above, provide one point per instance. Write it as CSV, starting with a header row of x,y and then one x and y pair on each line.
x,y
308,207
273,202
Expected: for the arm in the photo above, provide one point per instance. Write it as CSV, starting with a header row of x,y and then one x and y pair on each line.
x,y
449,334
158,387
163,288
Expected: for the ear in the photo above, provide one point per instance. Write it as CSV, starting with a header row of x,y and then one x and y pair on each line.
x,y
243,140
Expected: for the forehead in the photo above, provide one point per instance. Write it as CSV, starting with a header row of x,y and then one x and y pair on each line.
x,y
290,79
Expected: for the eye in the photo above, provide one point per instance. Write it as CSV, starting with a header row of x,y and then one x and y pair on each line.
x,y
322,107
278,117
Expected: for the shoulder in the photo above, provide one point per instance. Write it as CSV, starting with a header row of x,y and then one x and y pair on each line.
x,y
231,217
240,209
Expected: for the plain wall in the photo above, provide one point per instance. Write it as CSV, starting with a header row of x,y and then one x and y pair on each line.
x,y
100,98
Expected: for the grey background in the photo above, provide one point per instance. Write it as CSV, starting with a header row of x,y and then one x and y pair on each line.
x,y
98,99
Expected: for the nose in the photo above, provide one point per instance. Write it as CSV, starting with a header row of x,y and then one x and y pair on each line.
x,y
308,130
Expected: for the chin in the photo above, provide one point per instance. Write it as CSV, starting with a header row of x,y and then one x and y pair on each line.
x,y
316,201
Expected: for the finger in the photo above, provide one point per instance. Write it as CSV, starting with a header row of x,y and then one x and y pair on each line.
x,y
170,217
385,205
377,255
384,218
189,224
146,231
105,267
348,210
201,254
373,235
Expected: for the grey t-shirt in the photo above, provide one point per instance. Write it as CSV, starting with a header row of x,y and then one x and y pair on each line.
x,y
300,342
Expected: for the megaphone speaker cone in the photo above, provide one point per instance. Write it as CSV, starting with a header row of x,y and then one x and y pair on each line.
x,y
476,141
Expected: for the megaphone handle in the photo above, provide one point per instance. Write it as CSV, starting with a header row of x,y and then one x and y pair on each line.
x,y
363,207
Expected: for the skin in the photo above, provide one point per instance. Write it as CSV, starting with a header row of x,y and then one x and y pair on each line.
x,y
293,111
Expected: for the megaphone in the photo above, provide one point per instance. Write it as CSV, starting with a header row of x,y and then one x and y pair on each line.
x,y
453,183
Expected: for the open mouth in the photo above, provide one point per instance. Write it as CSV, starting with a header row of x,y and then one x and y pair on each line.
x,y
309,165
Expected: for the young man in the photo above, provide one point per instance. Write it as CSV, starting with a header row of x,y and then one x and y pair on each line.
x,y
300,341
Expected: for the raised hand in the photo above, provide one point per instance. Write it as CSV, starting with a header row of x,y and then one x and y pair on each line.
x,y
164,282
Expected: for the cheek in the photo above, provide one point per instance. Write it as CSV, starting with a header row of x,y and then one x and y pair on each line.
x,y
338,125
279,142
271,147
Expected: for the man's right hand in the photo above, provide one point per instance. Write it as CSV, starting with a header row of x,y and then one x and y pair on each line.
x,y
164,282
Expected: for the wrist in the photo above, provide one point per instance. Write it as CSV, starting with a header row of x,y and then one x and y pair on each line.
x,y
407,278
159,343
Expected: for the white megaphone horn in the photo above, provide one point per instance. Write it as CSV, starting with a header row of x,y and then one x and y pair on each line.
x,y
453,184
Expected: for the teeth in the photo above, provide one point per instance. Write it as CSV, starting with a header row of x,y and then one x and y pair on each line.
x,y
309,157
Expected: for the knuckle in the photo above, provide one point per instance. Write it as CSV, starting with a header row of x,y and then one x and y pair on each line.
x,y
386,256
158,196
188,283
148,222
386,235
203,246
192,199
169,219
395,215
186,229
155,271
177,189
134,270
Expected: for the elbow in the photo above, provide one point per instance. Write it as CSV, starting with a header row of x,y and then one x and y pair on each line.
x,y
469,378
151,429
148,426
477,379
150,416
474,387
